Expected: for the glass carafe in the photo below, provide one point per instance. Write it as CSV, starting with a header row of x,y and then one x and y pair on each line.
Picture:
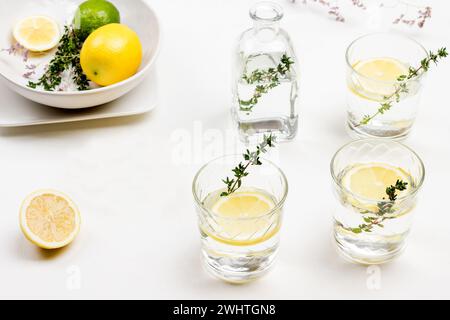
x,y
265,78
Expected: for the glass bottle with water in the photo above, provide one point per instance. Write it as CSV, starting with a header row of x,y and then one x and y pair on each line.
x,y
265,86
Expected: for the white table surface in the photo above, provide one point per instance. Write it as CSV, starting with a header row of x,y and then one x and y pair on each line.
x,y
131,177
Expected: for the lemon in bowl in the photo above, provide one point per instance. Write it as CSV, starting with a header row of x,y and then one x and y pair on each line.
x,y
37,33
111,54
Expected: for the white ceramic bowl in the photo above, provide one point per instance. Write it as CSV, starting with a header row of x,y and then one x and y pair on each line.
x,y
136,14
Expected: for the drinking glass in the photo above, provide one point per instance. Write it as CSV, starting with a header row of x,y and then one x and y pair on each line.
x,y
369,230
367,91
239,248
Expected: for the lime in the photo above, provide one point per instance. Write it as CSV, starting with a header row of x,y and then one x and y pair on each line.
x,y
93,14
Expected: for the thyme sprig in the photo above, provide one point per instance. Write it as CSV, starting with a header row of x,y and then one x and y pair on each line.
x,y
384,208
252,158
67,57
402,86
266,80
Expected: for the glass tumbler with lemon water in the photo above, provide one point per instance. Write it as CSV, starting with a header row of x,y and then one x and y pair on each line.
x,y
371,227
239,232
374,63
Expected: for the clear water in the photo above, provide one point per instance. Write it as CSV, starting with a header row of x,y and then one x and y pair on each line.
x,y
238,263
276,111
395,123
380,245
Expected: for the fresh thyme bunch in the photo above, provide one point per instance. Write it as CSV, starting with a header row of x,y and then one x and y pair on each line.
x,y
402,86
383,209
67,57
252,159
266,80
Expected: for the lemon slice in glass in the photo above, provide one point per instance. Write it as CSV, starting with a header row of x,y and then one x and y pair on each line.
x,y
377,76
370,180
242,218
243,205
37,33
49,219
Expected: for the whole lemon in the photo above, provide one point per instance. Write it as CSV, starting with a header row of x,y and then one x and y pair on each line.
x,y
111,54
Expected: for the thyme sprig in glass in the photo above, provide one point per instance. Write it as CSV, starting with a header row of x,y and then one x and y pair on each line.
x,y
266,80
384,208
67,57
252,158
402,86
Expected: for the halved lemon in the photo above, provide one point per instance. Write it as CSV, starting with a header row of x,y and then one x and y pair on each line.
x,y
49,219
37,33
370,180
379,75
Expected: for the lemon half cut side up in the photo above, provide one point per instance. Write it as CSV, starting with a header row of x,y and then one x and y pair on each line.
x,y
49,219
37,33
377,77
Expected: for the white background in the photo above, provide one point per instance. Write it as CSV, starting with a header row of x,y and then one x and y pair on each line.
x,y
131,177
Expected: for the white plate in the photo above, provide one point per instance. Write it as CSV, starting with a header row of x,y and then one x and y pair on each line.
x,y
17,111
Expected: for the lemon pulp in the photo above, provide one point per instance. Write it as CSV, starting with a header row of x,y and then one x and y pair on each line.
x,y
49,219
377,77
37,33
242,218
